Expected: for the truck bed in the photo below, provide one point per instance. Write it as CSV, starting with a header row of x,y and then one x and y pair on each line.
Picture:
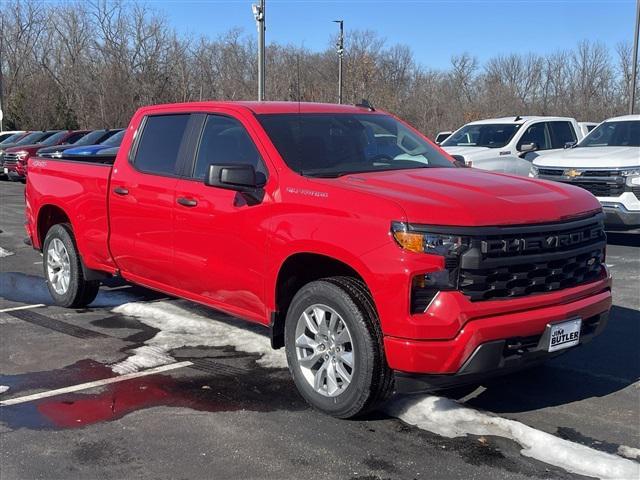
x,y
80,188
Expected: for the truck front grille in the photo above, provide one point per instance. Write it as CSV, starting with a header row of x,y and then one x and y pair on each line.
x,y
601,189
512,262
527,278
9,159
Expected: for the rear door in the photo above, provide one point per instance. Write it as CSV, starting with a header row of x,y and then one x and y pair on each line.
x,y
220,239
142,198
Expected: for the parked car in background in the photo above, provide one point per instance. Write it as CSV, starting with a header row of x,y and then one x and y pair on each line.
x,y
442,136
369,265
4,135
91,138
586,127
510,144
15,159
607,164
89,150
29,138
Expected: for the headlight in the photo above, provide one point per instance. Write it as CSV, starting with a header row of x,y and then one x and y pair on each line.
x,y
630,172
533,172
425,242
21,154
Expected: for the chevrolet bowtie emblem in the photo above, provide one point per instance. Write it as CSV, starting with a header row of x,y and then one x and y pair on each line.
x,y
572,173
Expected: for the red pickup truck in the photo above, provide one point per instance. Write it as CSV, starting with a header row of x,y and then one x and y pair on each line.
x,y
373,259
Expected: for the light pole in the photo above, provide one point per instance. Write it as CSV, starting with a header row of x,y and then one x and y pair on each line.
x,y
340,51
258,12
634,58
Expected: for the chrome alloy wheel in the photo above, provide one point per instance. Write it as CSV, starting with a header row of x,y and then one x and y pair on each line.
x,y
58,266
324,350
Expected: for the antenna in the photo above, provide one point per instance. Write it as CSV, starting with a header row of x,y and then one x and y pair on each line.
x,y
517,119
364,103
298,81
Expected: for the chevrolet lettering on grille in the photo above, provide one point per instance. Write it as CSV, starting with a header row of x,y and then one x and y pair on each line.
x,y
542,242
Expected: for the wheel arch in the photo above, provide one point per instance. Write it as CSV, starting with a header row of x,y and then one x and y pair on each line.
x,y
48,216
297,270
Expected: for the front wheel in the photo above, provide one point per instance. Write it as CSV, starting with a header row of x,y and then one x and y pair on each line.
x,y
63,269
334,347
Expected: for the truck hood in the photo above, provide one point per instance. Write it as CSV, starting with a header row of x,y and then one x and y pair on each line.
x,y
26,148
470,197
468,152
592,157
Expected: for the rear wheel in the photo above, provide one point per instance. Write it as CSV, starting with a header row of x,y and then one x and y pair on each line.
x,y
63,269
334,347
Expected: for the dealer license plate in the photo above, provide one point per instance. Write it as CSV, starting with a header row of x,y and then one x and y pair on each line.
x,y
564,335
6,170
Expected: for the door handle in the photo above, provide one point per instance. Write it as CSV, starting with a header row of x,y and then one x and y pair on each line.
x,y
187,202
120,191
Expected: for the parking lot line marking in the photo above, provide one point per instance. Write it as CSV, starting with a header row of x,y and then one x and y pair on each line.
x,y
121,287
22,307
94,384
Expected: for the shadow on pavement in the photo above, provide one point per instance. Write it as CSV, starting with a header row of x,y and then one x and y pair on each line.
x,y
611,362
624,239
31,289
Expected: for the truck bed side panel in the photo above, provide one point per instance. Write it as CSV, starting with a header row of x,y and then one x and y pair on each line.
x,y
79,189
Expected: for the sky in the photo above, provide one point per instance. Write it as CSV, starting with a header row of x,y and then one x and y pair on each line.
x,y
433,29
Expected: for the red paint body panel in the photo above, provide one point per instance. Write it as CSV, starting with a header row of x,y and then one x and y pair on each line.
x,y
228,254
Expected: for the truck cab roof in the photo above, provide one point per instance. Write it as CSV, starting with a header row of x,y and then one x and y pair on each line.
x,y
519,120
259,108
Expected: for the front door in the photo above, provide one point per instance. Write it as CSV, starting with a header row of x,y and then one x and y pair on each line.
x,y
220,238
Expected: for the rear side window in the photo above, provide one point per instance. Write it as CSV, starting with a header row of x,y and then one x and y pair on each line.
x,y
561,133
536,133
225,141
159,145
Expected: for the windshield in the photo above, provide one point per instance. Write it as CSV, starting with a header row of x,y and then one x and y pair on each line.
x,y
52,138
115,140
492,135
90,138
335,144
12,138
613,134
32,138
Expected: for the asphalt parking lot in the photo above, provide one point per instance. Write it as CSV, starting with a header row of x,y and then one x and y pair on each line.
x,y
225,414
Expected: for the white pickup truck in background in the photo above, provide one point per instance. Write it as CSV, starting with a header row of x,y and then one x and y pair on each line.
x,y
607,163
510,144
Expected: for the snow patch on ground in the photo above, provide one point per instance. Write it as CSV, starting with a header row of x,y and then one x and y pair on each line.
x,y
450,419
3,388
629,452
182,328
179,328
5,253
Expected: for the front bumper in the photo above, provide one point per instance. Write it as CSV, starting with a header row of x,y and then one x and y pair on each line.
x,y
498,357
618,216
449,356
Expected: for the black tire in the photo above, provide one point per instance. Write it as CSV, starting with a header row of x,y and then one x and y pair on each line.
x,y
80,292
372,381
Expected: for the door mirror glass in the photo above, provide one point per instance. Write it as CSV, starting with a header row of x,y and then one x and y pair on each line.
x,y
528,147
458,161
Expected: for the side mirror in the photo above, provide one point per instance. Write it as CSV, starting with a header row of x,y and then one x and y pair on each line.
x,y
526,148
242,178
458,161
570,144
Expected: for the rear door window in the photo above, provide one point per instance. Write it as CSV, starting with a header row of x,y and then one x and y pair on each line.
x,y
561,133
160,143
